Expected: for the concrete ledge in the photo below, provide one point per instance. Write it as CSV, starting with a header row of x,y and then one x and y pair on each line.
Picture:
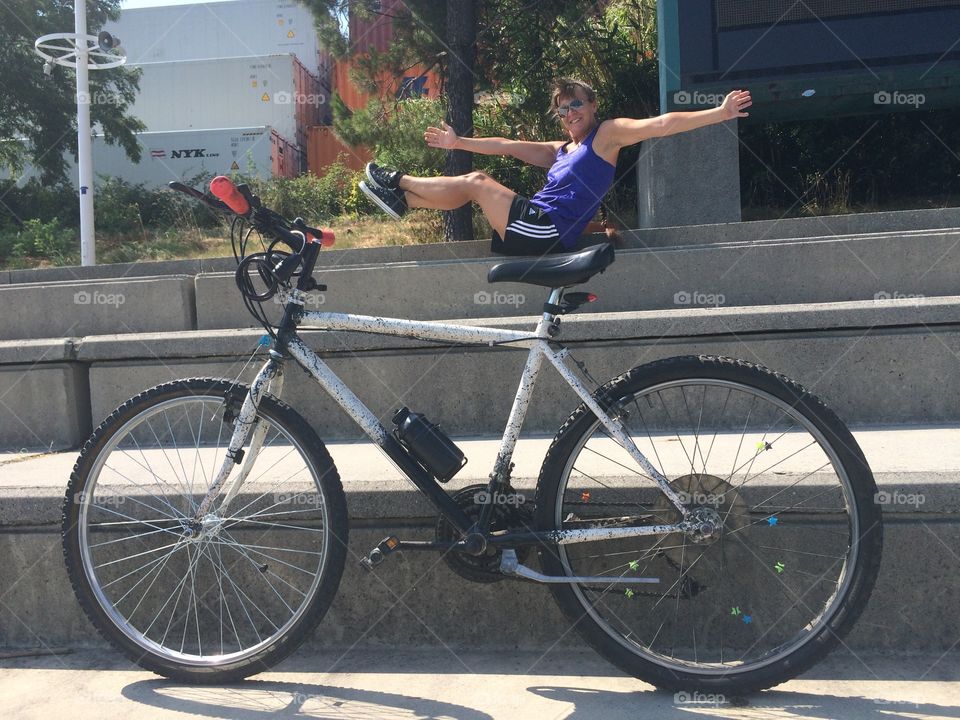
x,y
758,230
72,308
823,225
734,274
891,361
44,406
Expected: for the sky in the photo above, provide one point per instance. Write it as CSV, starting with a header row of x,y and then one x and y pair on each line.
x,y
124,4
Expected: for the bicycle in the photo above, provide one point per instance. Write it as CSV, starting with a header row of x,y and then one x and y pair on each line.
x,y
704,522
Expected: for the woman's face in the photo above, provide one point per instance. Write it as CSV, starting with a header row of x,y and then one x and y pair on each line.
x,y
580,113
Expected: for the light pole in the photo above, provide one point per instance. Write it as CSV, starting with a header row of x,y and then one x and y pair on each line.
x,y
82,52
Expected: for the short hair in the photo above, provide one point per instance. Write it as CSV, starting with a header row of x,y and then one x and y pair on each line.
x,y
567,87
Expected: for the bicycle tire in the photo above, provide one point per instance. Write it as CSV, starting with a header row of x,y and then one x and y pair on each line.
x,y
119,631
681,673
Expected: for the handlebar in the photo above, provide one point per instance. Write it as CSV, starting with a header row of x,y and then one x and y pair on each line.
x,y
231,199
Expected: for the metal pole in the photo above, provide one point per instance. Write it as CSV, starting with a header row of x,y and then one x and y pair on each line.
x,y
88,254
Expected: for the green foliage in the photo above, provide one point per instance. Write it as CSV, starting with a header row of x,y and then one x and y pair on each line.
x,y
39,111
37,239
830,165
316,199
395,132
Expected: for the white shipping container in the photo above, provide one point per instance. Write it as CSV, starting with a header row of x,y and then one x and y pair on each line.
x,y
168,156
215,30
274,90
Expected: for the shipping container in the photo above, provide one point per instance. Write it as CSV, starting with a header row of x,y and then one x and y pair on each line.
x,y
274,90
168,156
324,148
203,31
374,32
415,83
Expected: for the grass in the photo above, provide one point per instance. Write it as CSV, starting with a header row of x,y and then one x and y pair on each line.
x,y
416,228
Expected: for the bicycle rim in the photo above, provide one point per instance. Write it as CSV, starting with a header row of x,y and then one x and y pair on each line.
x,y
782,563
253,573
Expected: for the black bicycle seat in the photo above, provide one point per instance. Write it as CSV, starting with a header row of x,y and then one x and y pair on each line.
x,y
560,270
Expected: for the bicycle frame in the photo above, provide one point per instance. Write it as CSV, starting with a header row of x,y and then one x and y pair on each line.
x,y
539,349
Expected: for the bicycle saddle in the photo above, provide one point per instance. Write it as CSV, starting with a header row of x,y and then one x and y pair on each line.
x,y
561,270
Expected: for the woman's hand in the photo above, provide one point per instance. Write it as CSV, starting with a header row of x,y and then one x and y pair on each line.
x,y
735,103
444,137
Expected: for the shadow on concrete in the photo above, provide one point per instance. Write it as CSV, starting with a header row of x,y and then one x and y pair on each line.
x,y
592,703
263,700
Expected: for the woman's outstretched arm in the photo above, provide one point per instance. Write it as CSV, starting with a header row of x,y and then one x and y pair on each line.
x,y
541,154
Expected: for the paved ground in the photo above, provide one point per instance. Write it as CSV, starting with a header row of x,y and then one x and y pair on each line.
x,y
469,686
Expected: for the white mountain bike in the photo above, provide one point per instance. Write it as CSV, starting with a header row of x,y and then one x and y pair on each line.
x,y
703,522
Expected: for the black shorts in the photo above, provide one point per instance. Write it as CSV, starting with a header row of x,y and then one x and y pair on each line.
x,y
530,231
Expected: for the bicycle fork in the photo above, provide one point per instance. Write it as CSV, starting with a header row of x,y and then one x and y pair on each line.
x,y
246,426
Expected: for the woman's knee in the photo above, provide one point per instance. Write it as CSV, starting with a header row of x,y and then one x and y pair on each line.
x,y
477,177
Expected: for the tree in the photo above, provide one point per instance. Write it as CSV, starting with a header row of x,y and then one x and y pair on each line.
x,y
461,36
39,117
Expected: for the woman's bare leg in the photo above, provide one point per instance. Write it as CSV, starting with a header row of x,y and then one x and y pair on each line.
x,y
449,193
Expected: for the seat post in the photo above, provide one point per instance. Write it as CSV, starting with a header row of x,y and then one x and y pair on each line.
x,y
556,295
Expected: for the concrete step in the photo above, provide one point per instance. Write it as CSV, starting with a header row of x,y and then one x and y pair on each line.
x,y
732,274
912,608
760,230
888,361
762,272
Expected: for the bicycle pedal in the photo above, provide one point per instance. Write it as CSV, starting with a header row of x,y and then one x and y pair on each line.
x,y
376,556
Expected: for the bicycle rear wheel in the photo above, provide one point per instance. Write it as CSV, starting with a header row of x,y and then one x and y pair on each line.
x,y
240,594
799,540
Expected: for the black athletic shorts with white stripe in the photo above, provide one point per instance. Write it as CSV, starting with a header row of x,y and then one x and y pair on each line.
x,y
530,231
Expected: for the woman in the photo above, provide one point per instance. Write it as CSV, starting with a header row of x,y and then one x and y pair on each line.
x,y
581,171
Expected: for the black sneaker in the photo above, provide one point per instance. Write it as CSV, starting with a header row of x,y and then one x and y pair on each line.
x,y
383,177
392,203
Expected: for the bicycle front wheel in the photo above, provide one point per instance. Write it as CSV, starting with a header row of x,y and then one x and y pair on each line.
x,y
233,595
798,540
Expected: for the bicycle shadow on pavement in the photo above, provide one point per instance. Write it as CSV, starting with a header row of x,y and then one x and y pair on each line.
x,y
610,705
264,699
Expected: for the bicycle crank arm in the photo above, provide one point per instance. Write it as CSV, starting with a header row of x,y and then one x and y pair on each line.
x,y
510,565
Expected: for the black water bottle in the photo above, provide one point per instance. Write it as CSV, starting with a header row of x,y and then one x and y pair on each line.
x,y
428,444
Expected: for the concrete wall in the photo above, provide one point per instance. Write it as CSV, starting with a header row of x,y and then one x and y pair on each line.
x,y
911,607
690,179
95,307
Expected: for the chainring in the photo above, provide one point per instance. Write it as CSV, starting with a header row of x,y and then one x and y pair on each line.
x,y
507,515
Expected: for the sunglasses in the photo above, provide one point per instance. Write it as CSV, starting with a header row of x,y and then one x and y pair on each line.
x,y
562,110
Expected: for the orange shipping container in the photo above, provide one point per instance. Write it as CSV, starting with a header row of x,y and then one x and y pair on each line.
x,y
414,83
323,149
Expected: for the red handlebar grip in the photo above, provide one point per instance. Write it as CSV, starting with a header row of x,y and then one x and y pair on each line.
x,y
225,191
326,239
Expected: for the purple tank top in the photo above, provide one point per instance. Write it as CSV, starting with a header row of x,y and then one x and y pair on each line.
x,y
576,183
